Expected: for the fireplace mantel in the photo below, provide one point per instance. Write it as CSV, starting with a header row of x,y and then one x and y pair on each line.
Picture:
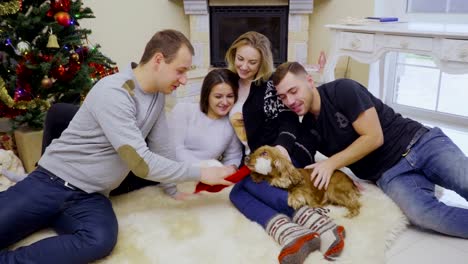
x,y
200,7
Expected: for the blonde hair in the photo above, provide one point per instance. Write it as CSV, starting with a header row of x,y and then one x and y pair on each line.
x,y
259,42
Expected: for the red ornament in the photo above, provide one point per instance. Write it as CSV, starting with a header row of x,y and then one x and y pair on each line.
x,y
46,57
72,69
57,6
58,72
63,18
83,52
23,72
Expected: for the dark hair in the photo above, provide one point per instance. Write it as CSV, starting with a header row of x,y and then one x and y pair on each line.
x,y
214,78
168,42
293,67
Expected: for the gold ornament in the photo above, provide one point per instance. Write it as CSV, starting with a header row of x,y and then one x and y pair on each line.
x,y
47,82
52,43
75,56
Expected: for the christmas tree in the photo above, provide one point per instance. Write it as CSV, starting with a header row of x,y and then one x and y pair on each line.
x,y
45,57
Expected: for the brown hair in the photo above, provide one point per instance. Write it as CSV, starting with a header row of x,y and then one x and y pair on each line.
x,y
259,42
168,42
293,67
214,78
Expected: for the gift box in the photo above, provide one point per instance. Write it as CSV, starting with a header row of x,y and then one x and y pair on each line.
x,y
29,145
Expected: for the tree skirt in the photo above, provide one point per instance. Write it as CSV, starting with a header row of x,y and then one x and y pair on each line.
x,y
208,229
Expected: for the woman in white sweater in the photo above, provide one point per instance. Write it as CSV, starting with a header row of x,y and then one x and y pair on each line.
x,y
203,131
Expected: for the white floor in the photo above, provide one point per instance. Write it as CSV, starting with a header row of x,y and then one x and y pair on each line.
x,y
416,246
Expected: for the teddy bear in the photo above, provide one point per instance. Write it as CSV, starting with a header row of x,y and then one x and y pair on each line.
x,y
11,168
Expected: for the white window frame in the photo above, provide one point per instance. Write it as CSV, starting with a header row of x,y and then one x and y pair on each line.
x,y
398,8
432,116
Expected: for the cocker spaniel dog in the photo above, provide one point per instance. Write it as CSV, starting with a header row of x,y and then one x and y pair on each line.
x,y
267,163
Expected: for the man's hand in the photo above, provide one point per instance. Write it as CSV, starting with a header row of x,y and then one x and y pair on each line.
x,y
215,175
321,172
183,196
283,151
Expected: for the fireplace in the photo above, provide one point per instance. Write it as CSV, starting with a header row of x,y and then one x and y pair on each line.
x,y
229,22
215,24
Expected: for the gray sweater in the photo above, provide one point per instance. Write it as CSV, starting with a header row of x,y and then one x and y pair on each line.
x,y
198,137
118,128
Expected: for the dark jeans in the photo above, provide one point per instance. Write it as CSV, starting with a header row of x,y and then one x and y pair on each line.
x,y
260,202
57,120
86,223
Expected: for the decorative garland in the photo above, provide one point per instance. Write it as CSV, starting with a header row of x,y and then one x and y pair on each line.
x,y
22,105
10,7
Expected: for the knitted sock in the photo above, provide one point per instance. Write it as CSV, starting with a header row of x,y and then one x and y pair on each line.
x,y
297,241
331,235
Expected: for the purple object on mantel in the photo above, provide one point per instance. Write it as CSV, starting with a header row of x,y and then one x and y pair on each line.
x,y
384,19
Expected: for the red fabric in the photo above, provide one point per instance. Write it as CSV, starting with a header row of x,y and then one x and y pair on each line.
x,y
235,177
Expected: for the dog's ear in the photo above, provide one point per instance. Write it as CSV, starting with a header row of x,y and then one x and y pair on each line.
x,y
286,170
256,177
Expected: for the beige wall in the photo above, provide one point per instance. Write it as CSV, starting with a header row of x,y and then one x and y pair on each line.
x,y
330,12
123,28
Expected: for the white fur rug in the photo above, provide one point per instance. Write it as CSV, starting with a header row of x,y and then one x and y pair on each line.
x,y
156,229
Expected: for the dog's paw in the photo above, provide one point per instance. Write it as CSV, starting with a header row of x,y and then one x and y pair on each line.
x,y
281,182
296,201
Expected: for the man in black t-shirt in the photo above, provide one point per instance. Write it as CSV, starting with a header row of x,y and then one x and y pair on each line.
x,y
404,158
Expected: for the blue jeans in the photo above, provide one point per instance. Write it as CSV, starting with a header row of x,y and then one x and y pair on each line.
x,y
86,223
434,159
260,202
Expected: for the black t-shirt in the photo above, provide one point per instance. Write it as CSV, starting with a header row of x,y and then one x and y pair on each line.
x,y
342,101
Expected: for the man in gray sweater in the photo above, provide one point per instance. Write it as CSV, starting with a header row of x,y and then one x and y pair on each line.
x,y
120,127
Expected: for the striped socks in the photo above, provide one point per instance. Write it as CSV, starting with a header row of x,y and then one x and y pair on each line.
x,y
331,235
297,241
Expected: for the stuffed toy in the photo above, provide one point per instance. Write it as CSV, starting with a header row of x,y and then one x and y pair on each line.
x,y
11,166
235,177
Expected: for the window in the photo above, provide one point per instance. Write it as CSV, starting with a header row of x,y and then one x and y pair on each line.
x,y
437,6
417,87
414,85
435,11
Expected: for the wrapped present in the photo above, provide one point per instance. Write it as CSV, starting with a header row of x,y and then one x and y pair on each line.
x,y
29,144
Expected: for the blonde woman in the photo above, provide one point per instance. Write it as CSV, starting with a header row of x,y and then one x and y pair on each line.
x,y
259,118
